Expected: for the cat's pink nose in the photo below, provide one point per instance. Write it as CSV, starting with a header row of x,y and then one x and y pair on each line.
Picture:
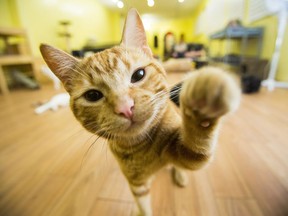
x,y
125,109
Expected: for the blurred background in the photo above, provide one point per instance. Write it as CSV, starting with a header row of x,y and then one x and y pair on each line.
x,y
49,165
241,33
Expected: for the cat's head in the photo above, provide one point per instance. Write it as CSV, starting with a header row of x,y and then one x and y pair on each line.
x,y
119,92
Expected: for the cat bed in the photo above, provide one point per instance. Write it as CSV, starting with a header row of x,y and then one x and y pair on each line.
x,y
178,65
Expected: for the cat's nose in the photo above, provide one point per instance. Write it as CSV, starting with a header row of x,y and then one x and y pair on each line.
x,y
125,108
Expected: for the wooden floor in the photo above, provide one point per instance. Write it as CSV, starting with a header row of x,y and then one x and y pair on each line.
x,y
46,168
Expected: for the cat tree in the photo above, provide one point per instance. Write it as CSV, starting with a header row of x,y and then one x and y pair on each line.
x,y
65,34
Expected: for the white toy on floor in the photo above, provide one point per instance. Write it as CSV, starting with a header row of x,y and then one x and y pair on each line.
x,y
59,100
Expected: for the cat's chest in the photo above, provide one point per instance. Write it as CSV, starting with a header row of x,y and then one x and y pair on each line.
x,y
144,155
141,164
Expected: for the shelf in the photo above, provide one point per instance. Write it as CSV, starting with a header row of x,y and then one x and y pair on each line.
x,y
238,33
6,32
15,59
242,34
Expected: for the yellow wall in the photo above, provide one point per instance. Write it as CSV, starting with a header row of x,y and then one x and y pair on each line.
x,y
41,20
5,15
89,20
8,17
160,26
270,31
186,25
270,24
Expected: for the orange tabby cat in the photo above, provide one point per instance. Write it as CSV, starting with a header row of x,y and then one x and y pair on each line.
x,y
121,94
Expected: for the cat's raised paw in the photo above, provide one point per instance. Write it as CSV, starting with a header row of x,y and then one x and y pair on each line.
x,y
209,93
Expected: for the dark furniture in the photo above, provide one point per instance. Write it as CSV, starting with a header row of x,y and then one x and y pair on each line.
x,y
241,34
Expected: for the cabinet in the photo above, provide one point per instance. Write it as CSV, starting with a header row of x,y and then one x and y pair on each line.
x,y
241,34
15,54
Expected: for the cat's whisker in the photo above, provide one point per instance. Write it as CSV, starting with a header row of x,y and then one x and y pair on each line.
x,y
147,135
96,128
174,96
161,93
106,143
155,117
174,93
176,89
89,148
86,153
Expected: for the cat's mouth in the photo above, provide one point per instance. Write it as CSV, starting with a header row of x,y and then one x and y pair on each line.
x,y
133,124
132,127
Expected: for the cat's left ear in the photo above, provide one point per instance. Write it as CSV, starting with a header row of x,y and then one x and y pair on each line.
x,y
134,33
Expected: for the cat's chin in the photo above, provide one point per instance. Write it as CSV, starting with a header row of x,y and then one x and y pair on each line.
x,y
134,128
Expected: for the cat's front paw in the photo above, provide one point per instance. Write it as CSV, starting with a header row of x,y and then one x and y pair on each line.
x,y
209,93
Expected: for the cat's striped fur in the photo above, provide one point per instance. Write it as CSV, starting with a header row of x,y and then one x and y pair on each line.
x,y
150,131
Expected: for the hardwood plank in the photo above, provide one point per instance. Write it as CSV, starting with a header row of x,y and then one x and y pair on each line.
x,y
238,207
109,207
187,200
205,194
224,175
163,201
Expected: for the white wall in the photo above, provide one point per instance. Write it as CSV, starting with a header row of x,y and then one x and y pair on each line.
x,y
217,14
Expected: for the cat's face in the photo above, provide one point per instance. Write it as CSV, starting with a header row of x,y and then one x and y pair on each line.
x,y
120,92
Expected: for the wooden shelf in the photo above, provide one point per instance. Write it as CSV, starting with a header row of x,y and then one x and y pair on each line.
x,y
6,32
15,59
19,58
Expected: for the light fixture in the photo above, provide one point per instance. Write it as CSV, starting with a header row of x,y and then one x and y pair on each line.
x,y
120,4
150,3
180,1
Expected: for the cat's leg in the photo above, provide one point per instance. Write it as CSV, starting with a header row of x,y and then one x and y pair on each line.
x,y
142,197
179,176
206,96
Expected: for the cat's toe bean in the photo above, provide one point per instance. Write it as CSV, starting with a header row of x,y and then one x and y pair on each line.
x,y
205,124
211,92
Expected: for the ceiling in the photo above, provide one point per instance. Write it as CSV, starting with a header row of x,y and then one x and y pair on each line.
x,y
164,8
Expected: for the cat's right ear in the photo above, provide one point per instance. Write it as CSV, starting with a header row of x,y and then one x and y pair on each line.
x,y
134,32
60,63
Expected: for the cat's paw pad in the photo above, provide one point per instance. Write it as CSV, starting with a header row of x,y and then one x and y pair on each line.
x,y
211,93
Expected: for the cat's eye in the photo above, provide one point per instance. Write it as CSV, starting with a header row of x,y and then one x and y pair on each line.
x,y
138,75
93,95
